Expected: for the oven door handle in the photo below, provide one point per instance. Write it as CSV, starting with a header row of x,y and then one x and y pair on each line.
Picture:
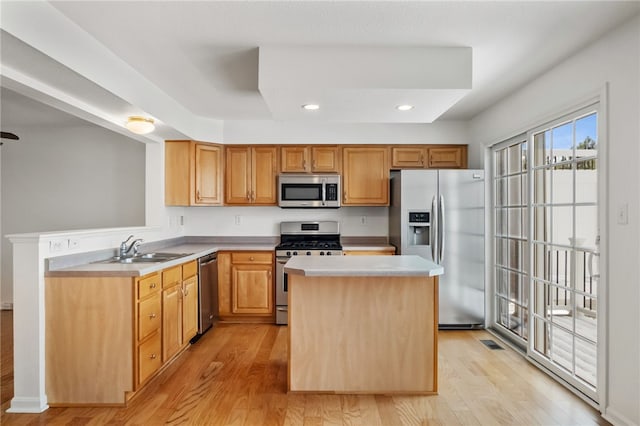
x,y
324,191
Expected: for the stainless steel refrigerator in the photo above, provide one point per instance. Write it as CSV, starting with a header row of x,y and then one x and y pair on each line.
x,y
439,215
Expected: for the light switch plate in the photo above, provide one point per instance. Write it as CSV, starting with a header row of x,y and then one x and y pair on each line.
x,y
623,214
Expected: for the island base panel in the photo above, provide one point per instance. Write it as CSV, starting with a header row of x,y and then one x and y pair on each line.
x,y
375,335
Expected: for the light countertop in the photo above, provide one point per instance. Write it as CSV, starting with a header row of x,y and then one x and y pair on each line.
x,y
191,251
330,266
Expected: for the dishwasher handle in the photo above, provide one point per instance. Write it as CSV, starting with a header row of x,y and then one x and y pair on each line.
x,y
209,261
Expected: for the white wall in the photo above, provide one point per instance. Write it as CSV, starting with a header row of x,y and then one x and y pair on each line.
x,y
299,132
613,59
69,177
265,221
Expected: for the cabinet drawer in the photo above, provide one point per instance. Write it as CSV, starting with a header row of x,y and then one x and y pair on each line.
x,y
149,316
189,269
171,276
252,257
148,285
149,357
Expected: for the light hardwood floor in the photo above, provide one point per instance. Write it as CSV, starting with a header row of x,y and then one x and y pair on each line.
x,y
236,375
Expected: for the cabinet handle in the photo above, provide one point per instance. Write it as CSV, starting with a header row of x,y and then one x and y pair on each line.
x,y
304,165
198,195
152,285
152,316
422,160
314,164
252,258
153,356
185,292
248,195
253,195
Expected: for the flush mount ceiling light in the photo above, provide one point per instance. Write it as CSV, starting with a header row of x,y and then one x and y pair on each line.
x,y
140,125
311,107
404,107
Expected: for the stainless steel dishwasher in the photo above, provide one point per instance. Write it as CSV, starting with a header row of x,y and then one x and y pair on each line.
x,y
207,293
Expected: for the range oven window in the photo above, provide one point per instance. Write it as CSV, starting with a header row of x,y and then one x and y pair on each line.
x,y
301,191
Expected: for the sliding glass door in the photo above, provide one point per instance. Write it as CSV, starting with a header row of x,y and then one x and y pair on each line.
x,y
546,245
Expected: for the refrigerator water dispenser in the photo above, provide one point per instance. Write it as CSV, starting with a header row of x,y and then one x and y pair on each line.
x,y
419,229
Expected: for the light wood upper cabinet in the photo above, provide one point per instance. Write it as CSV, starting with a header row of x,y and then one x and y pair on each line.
x,y
447,157
251,173
193,173
429,156
245,286
365,176
404,157
294,159
309,159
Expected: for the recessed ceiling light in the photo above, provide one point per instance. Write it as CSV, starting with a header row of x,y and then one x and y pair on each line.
x,y
404,107
311,107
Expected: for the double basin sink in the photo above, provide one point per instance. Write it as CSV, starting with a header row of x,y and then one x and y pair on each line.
x,y
145,258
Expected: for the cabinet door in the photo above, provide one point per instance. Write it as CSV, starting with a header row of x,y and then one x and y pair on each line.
x,y
237,175
294,159
264,164
208,175
453,157
365,176
408,157
171,322
325,159
252,289
189,309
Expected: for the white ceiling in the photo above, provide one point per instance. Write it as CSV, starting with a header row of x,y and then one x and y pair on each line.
x,y
204,55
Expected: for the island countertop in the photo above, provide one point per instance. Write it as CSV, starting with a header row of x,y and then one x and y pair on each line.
x,y
328,266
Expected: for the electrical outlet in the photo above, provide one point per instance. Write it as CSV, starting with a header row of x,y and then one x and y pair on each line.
x,y
238,220
181,220
363,220
73,243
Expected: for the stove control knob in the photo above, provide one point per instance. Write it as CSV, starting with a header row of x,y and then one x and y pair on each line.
x,y
328,253
321,253
308,253
295,253
288,253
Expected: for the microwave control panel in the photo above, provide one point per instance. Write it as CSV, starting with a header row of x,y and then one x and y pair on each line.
x,y
332,192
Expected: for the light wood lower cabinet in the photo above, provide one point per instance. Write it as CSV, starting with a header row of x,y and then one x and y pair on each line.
x,y
245,286
106,337
179,308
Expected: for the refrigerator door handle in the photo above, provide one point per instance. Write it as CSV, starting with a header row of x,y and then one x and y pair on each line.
x,y
434,224
440,229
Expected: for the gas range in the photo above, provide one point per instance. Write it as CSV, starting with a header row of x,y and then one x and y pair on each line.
x,y
302,239
309,239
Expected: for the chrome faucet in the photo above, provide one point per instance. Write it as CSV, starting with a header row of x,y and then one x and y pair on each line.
x,y
135,244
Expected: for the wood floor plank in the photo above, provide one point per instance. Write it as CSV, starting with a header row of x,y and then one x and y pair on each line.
x,y
236,374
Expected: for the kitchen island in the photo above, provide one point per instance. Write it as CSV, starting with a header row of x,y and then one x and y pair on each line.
x,y
363,324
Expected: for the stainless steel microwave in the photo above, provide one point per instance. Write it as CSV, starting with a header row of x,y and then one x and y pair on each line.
x,y
309,191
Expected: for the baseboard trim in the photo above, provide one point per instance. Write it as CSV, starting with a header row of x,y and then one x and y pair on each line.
x,y
28,405
615,418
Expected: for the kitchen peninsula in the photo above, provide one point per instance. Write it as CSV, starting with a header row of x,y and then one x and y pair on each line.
x,y
363,324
